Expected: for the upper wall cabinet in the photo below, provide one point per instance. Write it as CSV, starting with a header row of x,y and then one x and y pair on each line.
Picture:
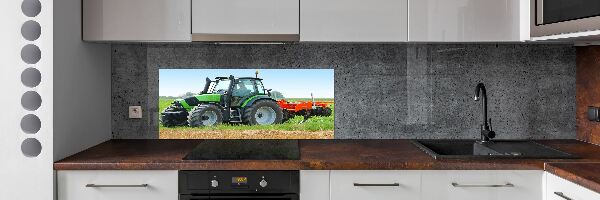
x,y
353,20
468,20
136,20
245,20
307,20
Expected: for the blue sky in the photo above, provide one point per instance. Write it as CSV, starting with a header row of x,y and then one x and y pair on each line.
x,y
293,83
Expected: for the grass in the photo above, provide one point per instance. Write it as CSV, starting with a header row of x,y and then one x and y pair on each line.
x,y
164,102
315,127
245,134
313,124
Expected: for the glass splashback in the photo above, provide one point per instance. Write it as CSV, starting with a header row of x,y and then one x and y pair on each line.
x,y
246,103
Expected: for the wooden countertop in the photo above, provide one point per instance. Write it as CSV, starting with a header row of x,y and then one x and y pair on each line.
x,y
584,174
331,155
314,154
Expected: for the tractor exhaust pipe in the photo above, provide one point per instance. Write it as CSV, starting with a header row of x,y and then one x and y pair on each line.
x,y
206,86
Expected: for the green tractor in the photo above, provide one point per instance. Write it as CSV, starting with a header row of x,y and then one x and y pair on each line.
x,y
225,99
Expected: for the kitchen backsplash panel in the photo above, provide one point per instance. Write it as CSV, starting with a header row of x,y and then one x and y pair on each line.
x,y
381,90
588,92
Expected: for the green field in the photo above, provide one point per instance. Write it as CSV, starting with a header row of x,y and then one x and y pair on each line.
x,y
312,125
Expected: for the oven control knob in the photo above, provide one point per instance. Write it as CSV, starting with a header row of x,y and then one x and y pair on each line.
x,y
214,183
263,183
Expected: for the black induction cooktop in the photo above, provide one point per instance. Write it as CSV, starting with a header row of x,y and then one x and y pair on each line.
x,y
245,150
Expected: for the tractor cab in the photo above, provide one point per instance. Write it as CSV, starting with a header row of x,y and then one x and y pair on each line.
x,y
234,91
245,88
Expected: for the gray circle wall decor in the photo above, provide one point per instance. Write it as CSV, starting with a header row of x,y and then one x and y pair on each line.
x,y
31,77
31,30
31,8
31,124
31,100
31,54
31,147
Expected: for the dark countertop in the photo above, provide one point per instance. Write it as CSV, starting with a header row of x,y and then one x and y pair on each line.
x,y
584,174
331,155
314,154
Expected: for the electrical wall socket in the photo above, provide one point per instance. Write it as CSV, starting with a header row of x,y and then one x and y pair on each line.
x,y
135,112
593,114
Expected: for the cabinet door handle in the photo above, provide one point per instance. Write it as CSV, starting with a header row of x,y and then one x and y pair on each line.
x,y
560,194
491,185
115,186
376,184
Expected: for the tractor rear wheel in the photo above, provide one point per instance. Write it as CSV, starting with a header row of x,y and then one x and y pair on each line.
x,y
205,115
263,112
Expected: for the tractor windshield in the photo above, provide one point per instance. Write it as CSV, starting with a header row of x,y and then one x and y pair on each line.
x,y
244,88
220,87
260,87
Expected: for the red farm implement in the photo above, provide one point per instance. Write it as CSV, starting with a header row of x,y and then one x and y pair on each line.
x,y
307,109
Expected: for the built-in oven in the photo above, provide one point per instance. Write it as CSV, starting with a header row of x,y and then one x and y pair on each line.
x,y
238,185
553,17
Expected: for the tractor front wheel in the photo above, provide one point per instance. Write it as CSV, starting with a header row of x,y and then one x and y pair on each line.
x,y
263,112
174,115
205,115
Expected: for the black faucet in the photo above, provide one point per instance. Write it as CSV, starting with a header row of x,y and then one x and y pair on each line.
x,y
486,129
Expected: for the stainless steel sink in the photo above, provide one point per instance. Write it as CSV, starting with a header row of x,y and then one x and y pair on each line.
x,y
471,149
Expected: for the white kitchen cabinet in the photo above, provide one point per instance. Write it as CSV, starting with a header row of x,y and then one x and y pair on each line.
x,y
560,189
353,20
136,20
117,185
468,20
375,184
314,185
482,185
245,20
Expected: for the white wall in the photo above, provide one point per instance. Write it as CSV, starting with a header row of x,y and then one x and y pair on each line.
x,y
82,75
21,177
75,82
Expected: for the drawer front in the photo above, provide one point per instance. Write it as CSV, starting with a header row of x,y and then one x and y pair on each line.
x,y
117,185
560,189
482,185
375,185
314,185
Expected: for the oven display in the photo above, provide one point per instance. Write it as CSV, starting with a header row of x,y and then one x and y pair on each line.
x,y
239,181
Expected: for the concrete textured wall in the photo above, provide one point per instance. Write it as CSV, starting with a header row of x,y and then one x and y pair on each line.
x,y
381,90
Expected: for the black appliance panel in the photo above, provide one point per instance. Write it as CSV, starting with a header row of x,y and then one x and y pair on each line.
x,y
276,182
554,11
193,182
261,149
273,197
239,185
